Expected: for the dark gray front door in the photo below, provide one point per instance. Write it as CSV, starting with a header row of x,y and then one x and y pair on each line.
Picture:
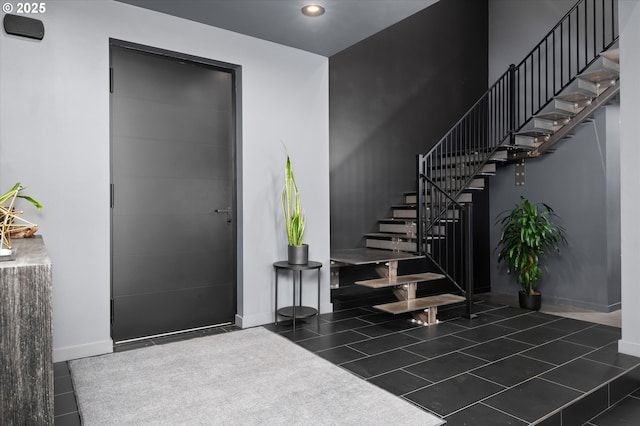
x,y
172,160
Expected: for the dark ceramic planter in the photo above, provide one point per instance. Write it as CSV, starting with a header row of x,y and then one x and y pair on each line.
x,y
298,255
530,301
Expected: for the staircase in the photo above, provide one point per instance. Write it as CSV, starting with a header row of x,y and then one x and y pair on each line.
x,y
573,71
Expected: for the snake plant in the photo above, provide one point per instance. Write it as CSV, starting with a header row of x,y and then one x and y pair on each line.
x,y
294,218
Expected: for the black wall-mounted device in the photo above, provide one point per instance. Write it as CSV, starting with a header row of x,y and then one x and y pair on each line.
x,y
23,26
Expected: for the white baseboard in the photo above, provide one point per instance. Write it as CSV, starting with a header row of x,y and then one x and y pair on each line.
x,y
254,320
268,318
629,348
82,351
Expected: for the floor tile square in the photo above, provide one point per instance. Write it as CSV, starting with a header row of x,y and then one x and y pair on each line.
x,y
385,343
434,331
481,319
513,370
399,382
64,404
582,374
509,311
585,408
378,330
338,326
496,349
523,322
615,330
482,306
553,420
557,352
298,334
287,324
485,333
594,337
61,369
380,317
321,343
382,363
344,314
62,385
625,413
451,395
436,347
542,315
539,335
72,419
442,368
340,355
451,313
491,305
533,399
569,324
480,414
624,385
610,355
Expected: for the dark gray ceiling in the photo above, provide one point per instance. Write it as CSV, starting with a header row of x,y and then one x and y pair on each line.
x,y
345,22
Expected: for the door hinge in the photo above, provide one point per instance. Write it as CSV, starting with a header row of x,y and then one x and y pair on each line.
x,y
110,80
111,195
112,311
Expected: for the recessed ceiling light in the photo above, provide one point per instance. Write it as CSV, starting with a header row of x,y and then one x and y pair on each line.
x,y
313,10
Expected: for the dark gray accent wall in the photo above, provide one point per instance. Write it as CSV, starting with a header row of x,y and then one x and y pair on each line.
x,y
580,181
392,96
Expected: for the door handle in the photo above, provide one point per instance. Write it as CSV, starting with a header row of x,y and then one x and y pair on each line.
x,y
226,211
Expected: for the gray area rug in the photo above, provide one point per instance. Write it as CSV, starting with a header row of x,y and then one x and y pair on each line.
x,y
248,377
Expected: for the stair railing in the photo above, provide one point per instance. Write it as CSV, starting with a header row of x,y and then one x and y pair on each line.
x,y
450,166
588,29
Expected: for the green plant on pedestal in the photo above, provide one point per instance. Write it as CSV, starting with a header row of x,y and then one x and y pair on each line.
x,y
294,218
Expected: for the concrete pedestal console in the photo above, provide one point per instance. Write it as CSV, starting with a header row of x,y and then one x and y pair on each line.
x,y
26,364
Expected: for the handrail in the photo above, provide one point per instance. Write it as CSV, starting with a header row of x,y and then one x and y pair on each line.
x,y
473,107
571,46
520,93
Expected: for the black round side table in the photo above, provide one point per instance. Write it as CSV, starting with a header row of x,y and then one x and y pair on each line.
x,y
296,310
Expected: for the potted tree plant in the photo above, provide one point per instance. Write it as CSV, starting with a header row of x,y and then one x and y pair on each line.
x,y
528,233
294,219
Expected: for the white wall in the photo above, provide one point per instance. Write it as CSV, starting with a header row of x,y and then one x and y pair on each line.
x,y
629,13
54,138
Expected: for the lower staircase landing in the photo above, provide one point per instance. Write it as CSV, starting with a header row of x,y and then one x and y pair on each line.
x,y
423,309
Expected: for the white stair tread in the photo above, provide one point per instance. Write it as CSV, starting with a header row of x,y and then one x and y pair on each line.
x,y
418,304
400,279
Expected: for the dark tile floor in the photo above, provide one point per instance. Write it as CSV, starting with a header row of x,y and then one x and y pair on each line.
x,y
505,367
